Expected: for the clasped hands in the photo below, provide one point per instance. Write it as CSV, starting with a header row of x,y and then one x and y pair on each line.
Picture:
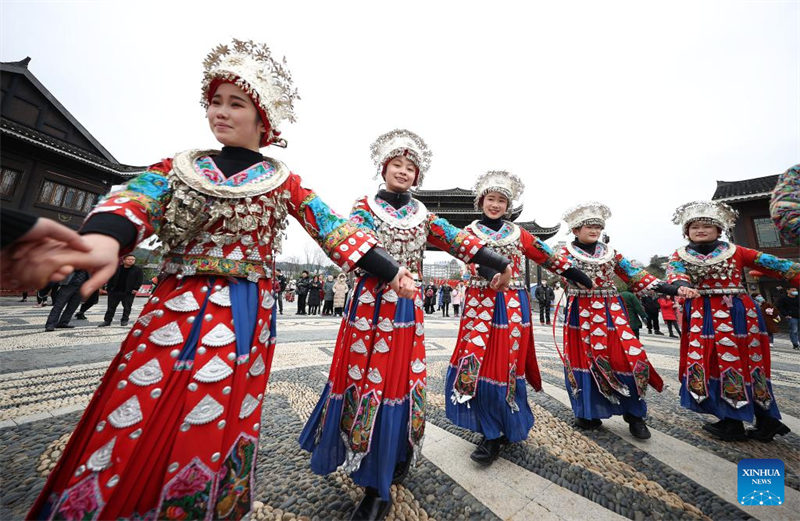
x,y
50,252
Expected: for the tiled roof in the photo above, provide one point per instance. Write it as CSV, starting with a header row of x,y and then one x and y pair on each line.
x,y
746,189
40,139
21,67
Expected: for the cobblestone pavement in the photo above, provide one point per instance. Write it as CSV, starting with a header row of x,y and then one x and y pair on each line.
x,y
559,472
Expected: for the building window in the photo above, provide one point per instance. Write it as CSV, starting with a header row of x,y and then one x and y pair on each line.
x,y
766,233
67,197
8,181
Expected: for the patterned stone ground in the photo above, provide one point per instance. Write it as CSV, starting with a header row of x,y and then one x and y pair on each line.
x,y
47,378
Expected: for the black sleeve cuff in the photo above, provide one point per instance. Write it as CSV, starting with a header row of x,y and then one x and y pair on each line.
x,y
378,262
486,272
577,276
487,257
670,289
15,224
112,225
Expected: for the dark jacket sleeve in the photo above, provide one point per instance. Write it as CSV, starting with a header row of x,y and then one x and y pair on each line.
x,y
138,278
112,282
14,224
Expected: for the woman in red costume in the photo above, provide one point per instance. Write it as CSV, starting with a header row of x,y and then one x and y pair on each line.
x,y
607,370
370,418
172,432
725,359
494,353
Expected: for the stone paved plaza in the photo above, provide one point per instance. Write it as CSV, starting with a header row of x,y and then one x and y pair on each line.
x,y
46,379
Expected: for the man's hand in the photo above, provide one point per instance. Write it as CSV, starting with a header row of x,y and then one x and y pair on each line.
x,y
501,280
403,283
685,291
46,230
46,237
53,260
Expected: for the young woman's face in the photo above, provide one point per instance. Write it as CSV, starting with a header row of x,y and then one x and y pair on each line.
x,y
588,233
495,205
700,231
234,119
400,174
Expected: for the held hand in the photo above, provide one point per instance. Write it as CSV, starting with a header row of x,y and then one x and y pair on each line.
x,y
501,280
688,292
33,267
48,230
48,262
403,283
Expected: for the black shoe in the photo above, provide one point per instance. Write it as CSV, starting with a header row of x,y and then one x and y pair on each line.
x,y
589,425
123,323
649,331
674,336
487,451
371,508
659,333
65,326
104,324
80,316
796,348
637,426
766,429
726,430
49,329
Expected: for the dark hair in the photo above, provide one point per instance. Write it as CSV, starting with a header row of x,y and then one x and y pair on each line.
x,y
129,255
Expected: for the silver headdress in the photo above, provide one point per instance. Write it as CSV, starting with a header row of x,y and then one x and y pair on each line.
x,y
250,66
585,214
500,181
401,142
714,212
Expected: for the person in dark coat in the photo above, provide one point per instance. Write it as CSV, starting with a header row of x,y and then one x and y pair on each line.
x,y
122,287
302,292
66,301
772,317
430,299
789,308
447,291
652,308
314,298
280,280
544,295
327,290
634,309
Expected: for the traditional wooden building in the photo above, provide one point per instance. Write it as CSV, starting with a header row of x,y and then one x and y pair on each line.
x,y
50,165
456,205
754,227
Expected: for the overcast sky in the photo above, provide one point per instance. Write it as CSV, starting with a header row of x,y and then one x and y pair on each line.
x,y
641,105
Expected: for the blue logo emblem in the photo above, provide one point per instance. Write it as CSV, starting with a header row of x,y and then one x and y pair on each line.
x,y
761,482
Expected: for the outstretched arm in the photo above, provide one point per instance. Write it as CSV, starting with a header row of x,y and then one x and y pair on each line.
x,y
342,240
468,248
771,265
121,220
